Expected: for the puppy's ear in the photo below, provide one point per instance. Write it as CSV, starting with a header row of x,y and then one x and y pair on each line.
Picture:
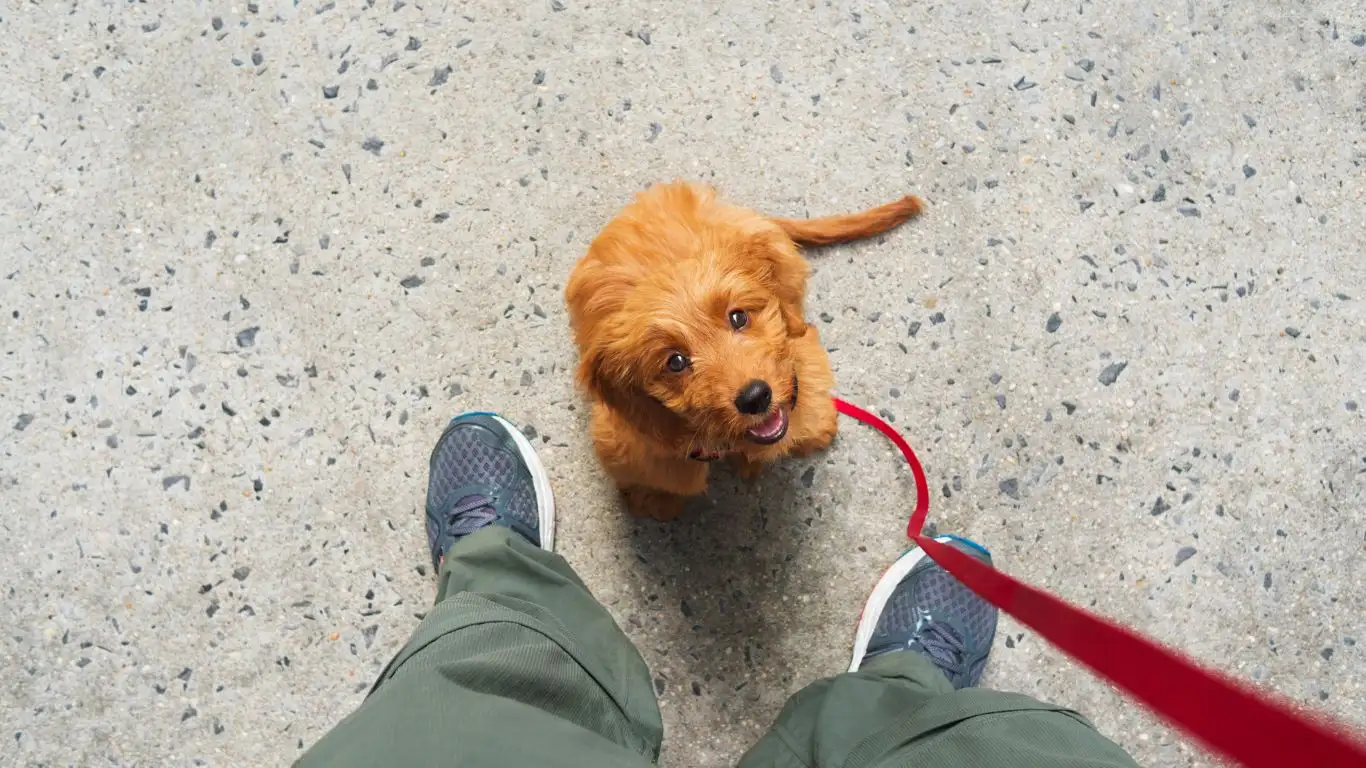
x,y
780,268
605,380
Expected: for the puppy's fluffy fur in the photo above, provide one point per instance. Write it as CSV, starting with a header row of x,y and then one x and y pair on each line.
x,y
682,305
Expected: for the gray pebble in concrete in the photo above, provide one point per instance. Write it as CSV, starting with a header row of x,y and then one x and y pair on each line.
x,y
439,76
1010,487
1110,373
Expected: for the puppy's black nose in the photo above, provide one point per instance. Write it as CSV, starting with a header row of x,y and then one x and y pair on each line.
x,y
754,398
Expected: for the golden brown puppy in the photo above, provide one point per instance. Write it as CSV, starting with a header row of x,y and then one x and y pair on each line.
x,y
688,314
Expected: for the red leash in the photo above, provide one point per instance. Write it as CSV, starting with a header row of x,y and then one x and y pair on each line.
x,y
1224,714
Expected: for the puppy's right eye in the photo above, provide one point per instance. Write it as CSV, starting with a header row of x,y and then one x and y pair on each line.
x,y
676,363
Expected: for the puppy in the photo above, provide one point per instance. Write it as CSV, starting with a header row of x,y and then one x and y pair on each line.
x,y
693,346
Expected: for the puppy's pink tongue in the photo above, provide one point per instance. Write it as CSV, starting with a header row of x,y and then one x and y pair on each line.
x,y
770,426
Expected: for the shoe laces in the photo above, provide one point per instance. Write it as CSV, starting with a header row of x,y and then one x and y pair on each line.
x,y
470,514
941,643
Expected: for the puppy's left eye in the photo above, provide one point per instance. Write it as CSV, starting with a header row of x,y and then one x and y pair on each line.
x,y
739,318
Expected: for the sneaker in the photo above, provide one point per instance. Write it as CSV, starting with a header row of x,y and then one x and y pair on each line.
x,y
484,472
918,606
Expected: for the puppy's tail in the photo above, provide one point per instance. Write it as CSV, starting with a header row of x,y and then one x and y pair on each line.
x,y
853,226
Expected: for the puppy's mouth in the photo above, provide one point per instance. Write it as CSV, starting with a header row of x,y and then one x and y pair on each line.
x,y
771,429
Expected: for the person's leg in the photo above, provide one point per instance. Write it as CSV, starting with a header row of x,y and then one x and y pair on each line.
x,y
909,699
516,664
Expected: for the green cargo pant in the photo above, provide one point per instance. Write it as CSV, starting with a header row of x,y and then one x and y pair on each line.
x,y
517,666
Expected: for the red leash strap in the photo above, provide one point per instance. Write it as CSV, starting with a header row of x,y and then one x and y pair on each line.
x,y
1224,714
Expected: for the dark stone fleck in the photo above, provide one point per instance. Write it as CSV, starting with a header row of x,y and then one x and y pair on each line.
x,y
1160,194
1249,171
1023,85
21,423
1085,205
696,688
112,441
1266,581
241,572
247,336
527,379
1235,395
1111,372
1053,323
1001,401
1183,554
372,145
913,329
1292,332
99,72
331,91
826,317
937,318
257,485
538,78
994,378
1190,212
439,76
1010,641
1327,654
557,6
808,477
655,130
1350,405
217,23
151,26
413,44
440,217
643,35
776,73
188,713
1010,487
1359,41
686,609
1159,507
170,481
257,59
412,281
372,85
659,681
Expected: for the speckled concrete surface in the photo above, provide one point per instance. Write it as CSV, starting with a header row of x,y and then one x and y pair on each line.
x,y
254,257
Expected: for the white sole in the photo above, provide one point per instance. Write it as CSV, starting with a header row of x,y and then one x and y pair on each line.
x,y
545,499
882,592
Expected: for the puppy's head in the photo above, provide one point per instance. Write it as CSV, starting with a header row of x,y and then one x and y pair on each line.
x,y
684,321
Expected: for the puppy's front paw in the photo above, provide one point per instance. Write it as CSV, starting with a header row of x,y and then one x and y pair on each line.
x,y
648,502
748,469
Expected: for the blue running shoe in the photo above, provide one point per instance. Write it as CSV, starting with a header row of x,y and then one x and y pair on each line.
x,y
917,606
484,472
